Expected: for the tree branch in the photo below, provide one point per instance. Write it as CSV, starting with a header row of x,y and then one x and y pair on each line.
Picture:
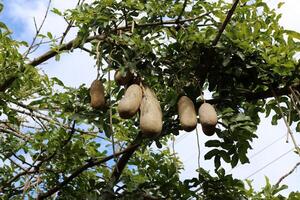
x,y
74,44
38,30
71,44
182,11
226,21
286,123
122,163
258,95
70,24
78,171
13,179
286,175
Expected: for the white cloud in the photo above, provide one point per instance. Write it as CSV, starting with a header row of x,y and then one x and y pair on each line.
x,y
24,12
74,68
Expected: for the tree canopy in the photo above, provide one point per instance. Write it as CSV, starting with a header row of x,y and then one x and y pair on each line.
x,y
237,51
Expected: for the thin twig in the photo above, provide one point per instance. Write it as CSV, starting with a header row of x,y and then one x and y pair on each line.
x,y
23,161
182,11
35,168
286,123
110,116
87,50
38,115
295,100
226,21
78,171
17,164
286,175
124,159
16,134
70,24
70,44
38,30
73,44
198,146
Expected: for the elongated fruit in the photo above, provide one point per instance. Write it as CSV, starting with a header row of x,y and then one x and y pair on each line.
x,y
123,79
187,113
97,94
131,101
151,114
208,118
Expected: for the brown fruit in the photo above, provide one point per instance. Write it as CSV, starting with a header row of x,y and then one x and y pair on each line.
x,y
208,118
208,130
151,114
97,94
131,101
123,79
187,113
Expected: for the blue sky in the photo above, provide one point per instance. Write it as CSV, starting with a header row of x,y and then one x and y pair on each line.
x,y
77,68
14,25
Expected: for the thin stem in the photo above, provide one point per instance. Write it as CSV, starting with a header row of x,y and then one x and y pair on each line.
x,y
226,21
110,114
38,30
182,10
286,175
198,146
295,100
286,123
78,171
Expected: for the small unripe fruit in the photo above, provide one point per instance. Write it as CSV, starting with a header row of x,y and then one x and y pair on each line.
x,y
123,79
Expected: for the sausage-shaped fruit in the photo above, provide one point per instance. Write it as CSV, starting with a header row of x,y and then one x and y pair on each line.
x,y
131,101
97,94
208,118
187,113
151,114
123,79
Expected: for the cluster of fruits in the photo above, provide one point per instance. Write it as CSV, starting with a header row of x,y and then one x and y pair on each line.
x,y
142,98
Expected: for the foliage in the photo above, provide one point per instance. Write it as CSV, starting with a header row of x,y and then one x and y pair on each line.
x,y
53,143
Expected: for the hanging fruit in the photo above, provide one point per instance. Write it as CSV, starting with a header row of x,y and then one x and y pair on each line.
x,y
97,94
151,114
123,79
208,118
187,113
131,101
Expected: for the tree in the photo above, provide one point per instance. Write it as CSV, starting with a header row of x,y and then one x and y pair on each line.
x,y
243,57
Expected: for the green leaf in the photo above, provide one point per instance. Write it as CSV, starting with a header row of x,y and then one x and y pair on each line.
x,y
213,143
298,127
292,34
243,158
57,81
225,156
211,154
50,36
56,11
274,119
234,160
217,162
280,4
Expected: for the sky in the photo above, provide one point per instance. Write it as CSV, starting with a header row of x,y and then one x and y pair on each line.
x,y
78,68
